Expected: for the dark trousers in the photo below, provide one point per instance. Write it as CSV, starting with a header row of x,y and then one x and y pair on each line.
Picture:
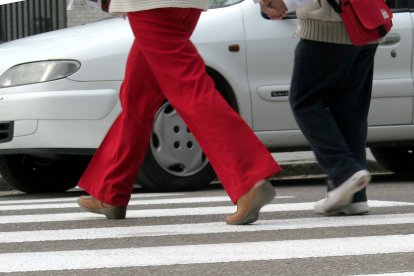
x,y
330,97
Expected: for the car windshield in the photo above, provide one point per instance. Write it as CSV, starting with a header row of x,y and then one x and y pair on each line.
x,y
214,4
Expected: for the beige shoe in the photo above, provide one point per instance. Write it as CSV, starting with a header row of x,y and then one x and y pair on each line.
x,y
93,205
249,205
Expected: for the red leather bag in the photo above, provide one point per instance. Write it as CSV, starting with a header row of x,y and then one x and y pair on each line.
x,y
366,21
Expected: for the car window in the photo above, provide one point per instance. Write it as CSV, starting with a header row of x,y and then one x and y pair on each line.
x,y
214,4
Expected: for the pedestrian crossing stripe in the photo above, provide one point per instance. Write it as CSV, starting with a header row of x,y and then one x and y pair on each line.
x,y
173,212
73,199
202,228
205,253
108,258
4,2
73,204
390,274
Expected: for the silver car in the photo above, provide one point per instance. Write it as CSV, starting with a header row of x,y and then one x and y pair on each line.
x,y
59,96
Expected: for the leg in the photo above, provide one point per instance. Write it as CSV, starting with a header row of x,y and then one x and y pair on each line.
x,y
163,36
113,169
321,74
316,75
353,125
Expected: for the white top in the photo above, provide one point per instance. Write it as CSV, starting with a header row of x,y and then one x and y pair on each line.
x,y
291,5
120,6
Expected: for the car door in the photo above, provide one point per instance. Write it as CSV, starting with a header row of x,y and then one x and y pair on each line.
x,y
392,98
270,48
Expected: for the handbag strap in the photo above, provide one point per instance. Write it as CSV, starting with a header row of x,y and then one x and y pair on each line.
x,y
337,7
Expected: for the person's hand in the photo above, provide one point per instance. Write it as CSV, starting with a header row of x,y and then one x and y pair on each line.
x,y
274,9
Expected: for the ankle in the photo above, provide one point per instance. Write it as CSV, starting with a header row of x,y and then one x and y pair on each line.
x,y
260,182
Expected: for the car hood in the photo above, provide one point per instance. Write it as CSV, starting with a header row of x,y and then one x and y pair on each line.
x,y
103,40
102,47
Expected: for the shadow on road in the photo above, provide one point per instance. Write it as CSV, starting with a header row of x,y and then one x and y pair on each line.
x,y
292,174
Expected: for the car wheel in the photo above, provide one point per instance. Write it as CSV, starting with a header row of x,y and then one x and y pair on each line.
x,y
32,174
175,160
396,159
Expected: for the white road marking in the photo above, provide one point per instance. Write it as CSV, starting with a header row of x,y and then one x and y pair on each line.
x,y
73,203
73,199
205,253
390,274
202,228
4,2
191,211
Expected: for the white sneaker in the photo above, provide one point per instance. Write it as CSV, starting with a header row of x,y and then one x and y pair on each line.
x,y
341,197
357,208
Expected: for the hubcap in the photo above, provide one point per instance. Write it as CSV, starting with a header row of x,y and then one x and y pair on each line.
x,y
174,146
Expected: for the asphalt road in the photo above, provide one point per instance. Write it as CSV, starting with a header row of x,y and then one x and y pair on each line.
x,y
296,165
185,234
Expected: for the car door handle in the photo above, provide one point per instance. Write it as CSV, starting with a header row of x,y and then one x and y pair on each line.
x,y
390,39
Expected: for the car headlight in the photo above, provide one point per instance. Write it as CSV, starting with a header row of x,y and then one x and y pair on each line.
x,y
39,71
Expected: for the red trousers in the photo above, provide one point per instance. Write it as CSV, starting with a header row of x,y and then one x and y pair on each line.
x,y
164,64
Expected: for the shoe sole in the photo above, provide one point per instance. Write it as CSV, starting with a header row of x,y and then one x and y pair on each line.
x,y
342,196
110,212
264,196
354,209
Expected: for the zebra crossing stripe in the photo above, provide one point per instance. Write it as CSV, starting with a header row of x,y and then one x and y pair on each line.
x,y
202,228
390,274
191,211
73,199
73,203
4,2
205,253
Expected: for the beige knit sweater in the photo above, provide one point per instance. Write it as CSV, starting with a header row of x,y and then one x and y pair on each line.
x,y
123,6
318,21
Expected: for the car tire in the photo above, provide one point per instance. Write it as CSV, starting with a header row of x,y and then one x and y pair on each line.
x,y
175,160
159,174
396,159
32,174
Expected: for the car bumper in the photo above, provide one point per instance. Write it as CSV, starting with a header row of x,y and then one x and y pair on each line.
x,y
57,119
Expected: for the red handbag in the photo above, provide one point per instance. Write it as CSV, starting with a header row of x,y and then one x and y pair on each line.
x,y
366,21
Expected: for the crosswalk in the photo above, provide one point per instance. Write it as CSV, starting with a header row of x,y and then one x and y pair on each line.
x,y
183,229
